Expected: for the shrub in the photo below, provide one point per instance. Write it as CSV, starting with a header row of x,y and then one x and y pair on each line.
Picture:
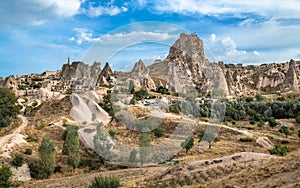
x,y
272,122
35,171
252,122
85,163
158,132
31,138
105,182
28,151
5,174
17,161
246,139
298,119
261,123
34,104
42,125
112,133
279,150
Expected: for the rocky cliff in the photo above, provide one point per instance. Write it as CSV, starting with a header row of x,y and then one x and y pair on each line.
x,y
186,66
274,77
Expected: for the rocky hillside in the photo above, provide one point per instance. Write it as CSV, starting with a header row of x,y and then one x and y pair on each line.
x,y
186,69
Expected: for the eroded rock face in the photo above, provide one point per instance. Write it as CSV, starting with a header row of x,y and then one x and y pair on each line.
x,y
105,76
275,77
291,79
192,68
11,83
76,71
140,76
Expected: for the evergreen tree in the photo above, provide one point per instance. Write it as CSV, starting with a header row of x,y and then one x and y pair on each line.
x,y
144,140
132,157
47,156
102,142
72,146
188,143
284,130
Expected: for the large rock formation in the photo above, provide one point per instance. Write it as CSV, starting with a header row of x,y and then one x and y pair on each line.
x,y
81,72
105,76
191,69
11,83
291,80
268,78
141,77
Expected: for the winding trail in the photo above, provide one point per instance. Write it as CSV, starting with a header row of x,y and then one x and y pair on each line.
x,y
4,141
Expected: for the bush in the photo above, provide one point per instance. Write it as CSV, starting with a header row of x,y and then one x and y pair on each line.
x,y
272,122
252,122
28,151
34,104
261,123
105,182
279,150
112,133
298,119
158,132
5,174
31,138
17,161
35,171
246,139
85,163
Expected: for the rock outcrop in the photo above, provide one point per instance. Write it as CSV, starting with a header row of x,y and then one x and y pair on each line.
x,y
191,70
11,83
105,76
291,80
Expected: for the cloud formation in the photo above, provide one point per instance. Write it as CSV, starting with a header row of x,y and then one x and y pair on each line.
x,y
36,12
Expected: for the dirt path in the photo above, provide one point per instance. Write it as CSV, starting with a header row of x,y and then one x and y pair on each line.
x,y
4,141
128,177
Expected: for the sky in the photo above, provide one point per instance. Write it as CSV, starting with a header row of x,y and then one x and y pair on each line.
x,y
39,35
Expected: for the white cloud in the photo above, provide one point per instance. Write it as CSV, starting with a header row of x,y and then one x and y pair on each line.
x,y
213,37
36,12
105,10
290,8
86,35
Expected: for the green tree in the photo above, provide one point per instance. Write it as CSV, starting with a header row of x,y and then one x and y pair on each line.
x,y
8,108
208,137
47,157
132,156
105,182
188,143
144,140
5,174
158,132
284,130
71,146
102,142
297,119
272,122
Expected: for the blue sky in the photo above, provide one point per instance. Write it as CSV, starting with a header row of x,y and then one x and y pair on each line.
x,y
39,35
